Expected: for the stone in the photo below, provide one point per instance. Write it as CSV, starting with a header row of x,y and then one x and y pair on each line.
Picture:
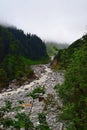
x,y
8,90
22,129
50,80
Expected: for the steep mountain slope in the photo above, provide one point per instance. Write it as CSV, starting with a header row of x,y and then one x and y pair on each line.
x,y
53,47
73,92
64,56
14,41
17,52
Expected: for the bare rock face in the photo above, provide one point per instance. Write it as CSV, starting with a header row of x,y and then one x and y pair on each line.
x,y
54,62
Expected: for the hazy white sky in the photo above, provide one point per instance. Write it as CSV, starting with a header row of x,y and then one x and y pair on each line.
x,y
57,20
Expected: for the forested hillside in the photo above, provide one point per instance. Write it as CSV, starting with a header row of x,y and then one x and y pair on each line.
x,y
73,92
53,47
17,52
64,56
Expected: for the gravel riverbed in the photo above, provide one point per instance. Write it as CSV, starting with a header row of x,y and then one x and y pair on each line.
x,y
47,78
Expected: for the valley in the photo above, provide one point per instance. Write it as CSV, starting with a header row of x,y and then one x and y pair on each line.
x,y
47,78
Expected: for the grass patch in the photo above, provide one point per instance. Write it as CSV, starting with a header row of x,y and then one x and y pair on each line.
x,y
36,92
42,120
35,62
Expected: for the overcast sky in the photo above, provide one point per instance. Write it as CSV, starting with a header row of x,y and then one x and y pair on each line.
x,y
56,20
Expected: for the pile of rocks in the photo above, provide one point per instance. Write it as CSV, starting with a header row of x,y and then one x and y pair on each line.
x,y
48,79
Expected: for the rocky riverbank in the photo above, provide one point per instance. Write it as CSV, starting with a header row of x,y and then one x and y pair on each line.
x,y
49,102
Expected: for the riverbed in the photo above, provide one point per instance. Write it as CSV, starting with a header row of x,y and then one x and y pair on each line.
x,y
46,78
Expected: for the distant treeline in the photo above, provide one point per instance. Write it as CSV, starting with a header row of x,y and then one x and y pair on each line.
x,y
53,47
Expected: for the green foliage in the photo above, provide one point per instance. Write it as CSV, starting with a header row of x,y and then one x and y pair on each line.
x,y
43,124
3,78
17,52
73,92
7,122
20,120
64,55
20,101
36,92
16,67
35,62
23,121
8,105
15,42
42,117
52,48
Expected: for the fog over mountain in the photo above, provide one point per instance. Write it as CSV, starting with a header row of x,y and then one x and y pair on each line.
x,y
56,20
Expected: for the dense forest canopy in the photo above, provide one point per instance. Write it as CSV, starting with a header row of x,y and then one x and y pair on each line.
x,y
15,42
17,52
73,92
